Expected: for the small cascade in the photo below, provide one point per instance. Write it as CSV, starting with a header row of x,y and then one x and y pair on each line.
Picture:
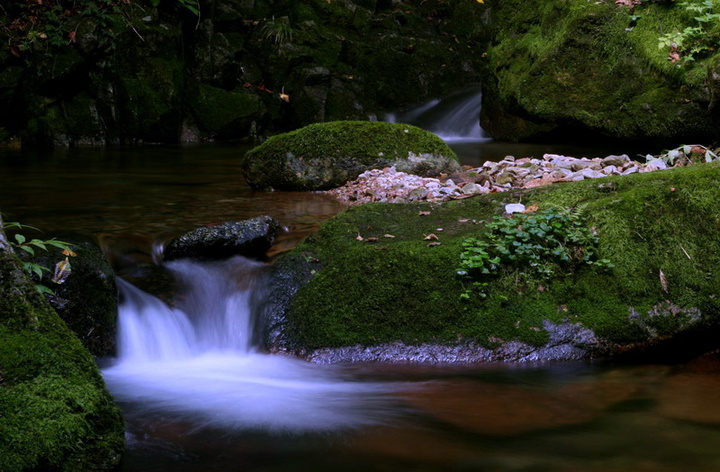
x,y
453,118
198,360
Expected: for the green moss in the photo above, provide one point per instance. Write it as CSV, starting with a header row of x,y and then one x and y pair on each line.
x,y
399,288
56,412
359,140
326,155
584,64
217,111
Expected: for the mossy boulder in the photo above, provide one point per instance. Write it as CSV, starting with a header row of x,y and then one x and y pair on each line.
x,y
379,297
327,155
595,69
56,412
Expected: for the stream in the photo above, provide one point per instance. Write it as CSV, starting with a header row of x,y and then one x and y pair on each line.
x,y
197,394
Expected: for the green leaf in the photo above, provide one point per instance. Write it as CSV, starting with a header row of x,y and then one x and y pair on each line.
x,y
19,238
28,249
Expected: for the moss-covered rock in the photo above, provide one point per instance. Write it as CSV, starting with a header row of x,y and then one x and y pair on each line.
x,y
397,285
595,68
326,155
56,412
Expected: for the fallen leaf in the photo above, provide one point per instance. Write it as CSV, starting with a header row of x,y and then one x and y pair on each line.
x,y
388,236
359,238
372,240
424,213
663,281
439,229
433,244
463,220
532,208
431,237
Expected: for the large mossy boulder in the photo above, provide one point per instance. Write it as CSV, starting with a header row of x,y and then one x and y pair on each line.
x,y
327,155
55,413
578,69
380,281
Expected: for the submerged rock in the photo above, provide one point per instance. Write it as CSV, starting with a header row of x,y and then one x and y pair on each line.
x,y
250,238
327,155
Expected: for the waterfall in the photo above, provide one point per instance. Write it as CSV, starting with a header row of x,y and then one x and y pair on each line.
x,y
198,360
453,118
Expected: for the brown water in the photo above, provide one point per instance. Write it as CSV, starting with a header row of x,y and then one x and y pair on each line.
x,y
563,417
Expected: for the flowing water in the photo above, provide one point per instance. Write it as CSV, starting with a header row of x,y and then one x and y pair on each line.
x,y
198,395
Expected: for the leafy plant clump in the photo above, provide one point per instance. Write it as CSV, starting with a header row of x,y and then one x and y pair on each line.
x,y
688,154
543,244
62,268
698,38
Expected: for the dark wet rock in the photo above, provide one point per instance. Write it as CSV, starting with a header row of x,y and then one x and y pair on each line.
x,y
87,300
327,155
250,238
566,342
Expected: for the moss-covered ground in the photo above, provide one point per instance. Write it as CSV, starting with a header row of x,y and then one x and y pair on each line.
x,y
402,287
55,413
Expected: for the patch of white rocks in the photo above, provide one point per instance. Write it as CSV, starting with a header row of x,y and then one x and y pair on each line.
x,y
389,185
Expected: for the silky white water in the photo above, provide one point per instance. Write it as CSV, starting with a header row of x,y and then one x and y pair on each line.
x,y
197,361
453,118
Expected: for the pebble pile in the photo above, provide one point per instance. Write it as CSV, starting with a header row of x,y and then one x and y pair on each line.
x,y
389,185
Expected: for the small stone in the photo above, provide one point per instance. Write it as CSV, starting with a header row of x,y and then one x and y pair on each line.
x,y
471,189
617,161
514,208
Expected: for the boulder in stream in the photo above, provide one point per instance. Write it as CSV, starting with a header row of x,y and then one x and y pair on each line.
x,y
384,282
250,238
327,155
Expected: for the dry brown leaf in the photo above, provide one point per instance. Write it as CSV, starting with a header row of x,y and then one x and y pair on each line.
x,y
463,220
388,235
431,237
433,244
531,209
372,240
424,213
663,281
359,238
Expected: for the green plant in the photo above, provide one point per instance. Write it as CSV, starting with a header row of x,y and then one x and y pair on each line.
x,y
540,244
278,30
695,39
688,153
62,268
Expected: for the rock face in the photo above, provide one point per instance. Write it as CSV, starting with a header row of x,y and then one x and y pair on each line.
x,y
134,72
57,414
250,238
326,155
380,282
559,71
